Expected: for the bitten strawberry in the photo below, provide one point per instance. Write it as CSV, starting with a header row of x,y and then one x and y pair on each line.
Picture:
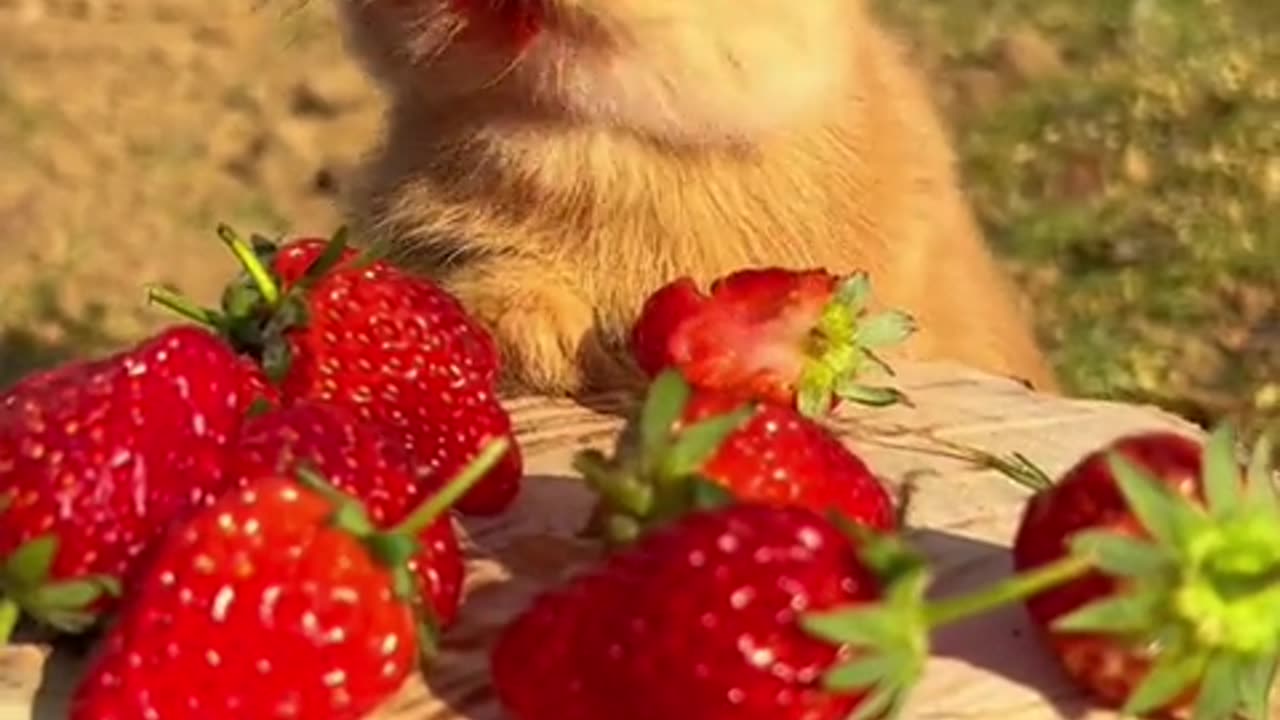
x,y
332,325
800,338
1180,614
358,459
282,600
97,456
756,452
698,620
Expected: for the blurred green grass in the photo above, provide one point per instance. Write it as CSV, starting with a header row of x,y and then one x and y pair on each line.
x,y
1124,156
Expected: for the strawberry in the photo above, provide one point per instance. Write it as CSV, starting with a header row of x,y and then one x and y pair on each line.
x,y
282,600
800,338
1178,614
362,462
756,452
512,24
397,349
712,617
97,456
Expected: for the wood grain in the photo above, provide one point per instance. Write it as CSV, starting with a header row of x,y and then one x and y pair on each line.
x,y
964,518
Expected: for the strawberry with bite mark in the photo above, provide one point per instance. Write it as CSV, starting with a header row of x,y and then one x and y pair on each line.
x,y
796,338
398,350
359,460
97,456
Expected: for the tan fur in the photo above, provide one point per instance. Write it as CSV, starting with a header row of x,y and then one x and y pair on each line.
x,y
639,140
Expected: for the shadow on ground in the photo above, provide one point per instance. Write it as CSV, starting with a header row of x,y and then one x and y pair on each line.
x,y
51,335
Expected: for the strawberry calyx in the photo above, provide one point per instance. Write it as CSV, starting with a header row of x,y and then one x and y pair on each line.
x,y
63,604
654,474
841,346
257,312
889,640
1202,586
394,547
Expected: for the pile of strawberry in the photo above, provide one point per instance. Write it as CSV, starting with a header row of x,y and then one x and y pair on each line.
x,y
758,570
258,502
258,509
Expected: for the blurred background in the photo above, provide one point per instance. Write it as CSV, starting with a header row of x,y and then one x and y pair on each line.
x,y
1124,156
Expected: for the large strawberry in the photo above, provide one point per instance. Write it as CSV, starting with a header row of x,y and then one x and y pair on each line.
x,y
330,324
282,600
96,456
715,616
361,461
1179,614
801,338
757,452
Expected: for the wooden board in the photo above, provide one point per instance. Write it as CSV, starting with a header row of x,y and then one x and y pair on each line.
x,y
991,667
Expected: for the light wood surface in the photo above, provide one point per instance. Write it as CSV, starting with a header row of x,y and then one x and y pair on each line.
x,y
964,517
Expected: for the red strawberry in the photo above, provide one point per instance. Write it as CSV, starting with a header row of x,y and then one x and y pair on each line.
x,y
511,23
708,618
796,338
282,600
1180,613
97,456
397,349
360,461
756,452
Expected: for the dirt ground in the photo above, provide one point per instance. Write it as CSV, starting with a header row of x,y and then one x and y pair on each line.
x,y
129,128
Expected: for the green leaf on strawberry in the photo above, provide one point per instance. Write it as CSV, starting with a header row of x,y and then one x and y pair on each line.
x,y
685,438
64,605
890,638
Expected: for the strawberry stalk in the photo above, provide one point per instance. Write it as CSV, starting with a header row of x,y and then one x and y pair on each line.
x,y
396,546
843,345
654,474
1203,588
256,312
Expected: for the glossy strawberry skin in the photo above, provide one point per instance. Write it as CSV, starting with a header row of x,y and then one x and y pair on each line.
x,y
619,643
256,608
745,335
360,460
783,458
1087,497
402,353
103,453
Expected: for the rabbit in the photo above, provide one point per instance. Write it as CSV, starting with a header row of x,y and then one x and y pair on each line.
x,y
553,162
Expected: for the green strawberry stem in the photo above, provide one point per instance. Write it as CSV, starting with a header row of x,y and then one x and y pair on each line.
x,y
442,501
1016,588
252,265
9,615
184,307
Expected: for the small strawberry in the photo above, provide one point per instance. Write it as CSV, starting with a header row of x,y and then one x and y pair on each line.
x,y
719,615
97,456
1179,614
764,453
513,24
282,600
796,338
362,462
331,325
